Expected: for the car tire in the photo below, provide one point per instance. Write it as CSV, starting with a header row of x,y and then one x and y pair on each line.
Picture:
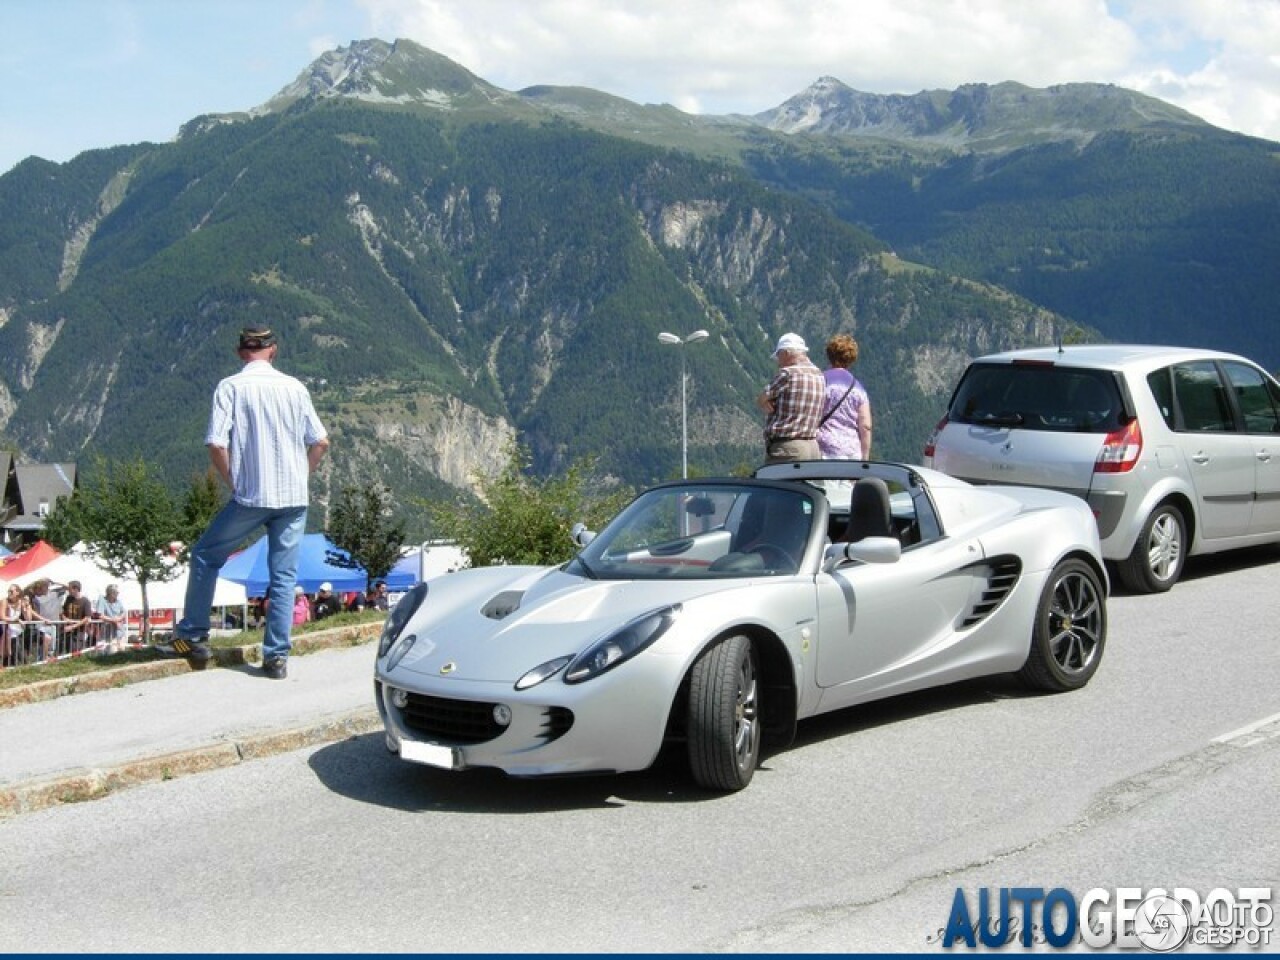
x,y
724,722
1070,630
1155,564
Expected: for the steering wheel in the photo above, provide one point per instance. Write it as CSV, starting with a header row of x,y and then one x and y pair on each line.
x,y
774,556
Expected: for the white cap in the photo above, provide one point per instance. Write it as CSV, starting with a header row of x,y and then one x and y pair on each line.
x,y
298,589
326,587
791,341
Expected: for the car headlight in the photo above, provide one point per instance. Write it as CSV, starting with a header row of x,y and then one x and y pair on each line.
x,y
621,645
398,651
399,616
541,672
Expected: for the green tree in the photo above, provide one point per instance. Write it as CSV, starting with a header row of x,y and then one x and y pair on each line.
x,y
362,522
127,520
525,520
202,502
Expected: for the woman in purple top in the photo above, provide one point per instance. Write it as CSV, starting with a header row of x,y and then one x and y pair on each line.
x,y
845,432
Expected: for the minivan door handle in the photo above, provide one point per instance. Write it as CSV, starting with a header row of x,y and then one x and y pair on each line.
x,y
1263,456
1200,457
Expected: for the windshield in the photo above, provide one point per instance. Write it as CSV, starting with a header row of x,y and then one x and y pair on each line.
x,y
696,531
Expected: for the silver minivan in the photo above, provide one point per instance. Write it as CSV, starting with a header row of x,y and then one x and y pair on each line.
x,y
1176,450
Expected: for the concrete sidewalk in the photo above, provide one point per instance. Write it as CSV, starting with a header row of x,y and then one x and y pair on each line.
x,y
86,745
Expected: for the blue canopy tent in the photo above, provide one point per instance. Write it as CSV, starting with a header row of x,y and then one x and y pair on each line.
x,y
249,567
403,575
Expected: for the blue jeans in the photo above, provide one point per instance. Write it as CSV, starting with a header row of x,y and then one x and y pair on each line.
x,y
234,522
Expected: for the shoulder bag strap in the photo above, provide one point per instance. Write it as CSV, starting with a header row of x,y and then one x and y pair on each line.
x,y
827,416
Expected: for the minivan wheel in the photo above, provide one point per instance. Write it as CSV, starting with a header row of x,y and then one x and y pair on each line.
x,y
1159,553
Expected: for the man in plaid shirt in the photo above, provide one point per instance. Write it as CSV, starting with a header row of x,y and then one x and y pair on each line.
x,y
793,403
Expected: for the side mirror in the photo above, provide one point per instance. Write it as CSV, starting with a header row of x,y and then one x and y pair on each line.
x,y
870,550
581,535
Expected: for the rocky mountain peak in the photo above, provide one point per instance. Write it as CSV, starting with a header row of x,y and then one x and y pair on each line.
x,y
380,72
976,116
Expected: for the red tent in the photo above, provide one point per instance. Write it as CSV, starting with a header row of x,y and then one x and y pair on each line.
x,y
33,558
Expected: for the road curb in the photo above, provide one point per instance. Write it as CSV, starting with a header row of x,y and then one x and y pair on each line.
x,y
346,636
78,786
43,690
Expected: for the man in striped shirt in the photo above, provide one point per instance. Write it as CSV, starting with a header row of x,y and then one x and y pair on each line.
x,y
264,439
793,403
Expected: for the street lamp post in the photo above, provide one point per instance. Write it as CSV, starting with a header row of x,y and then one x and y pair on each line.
x,y
684,395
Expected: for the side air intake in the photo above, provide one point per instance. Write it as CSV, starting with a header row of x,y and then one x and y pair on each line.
x,y
1001,574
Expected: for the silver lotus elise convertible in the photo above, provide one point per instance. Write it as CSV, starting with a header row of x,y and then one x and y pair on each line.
x,y
718,613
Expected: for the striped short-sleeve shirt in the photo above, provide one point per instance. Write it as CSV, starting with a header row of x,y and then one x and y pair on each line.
x,y
266,422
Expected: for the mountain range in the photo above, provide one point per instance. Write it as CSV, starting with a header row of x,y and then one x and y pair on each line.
x,y
453,266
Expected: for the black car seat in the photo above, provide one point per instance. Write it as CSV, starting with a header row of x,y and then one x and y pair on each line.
x,y
869,514
773,519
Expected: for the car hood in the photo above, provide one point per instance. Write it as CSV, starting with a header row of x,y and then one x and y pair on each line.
x,y
494,624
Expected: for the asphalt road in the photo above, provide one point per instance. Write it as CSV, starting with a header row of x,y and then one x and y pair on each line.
x,y
1164,772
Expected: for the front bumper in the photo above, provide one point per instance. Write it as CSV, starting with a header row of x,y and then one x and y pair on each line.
x,y
605,725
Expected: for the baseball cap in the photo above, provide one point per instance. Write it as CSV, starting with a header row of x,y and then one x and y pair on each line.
x,y
791,341
257,338
326,587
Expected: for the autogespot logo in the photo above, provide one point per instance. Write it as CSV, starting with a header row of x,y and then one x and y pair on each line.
x,y
1161,923
1130,918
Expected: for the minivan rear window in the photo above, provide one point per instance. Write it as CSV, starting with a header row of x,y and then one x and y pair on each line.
x,y
1037,396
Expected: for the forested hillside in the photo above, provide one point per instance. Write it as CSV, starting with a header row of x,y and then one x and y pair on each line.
x,y
444,287
1164,237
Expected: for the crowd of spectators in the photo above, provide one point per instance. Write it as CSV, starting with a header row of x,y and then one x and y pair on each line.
x,y
49,620
325,602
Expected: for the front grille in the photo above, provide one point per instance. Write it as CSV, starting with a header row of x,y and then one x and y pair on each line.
x,y
456,721
471,721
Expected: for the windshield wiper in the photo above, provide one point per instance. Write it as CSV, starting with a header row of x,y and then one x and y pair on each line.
x,y
1000,419
586,568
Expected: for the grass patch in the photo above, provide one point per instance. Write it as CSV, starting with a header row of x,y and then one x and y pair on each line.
x,y
74,667
893,266
95,662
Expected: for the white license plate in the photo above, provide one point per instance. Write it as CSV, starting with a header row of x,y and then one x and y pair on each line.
x,y
432,754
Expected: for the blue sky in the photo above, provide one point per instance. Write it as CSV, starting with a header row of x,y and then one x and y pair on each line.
x,y
81,74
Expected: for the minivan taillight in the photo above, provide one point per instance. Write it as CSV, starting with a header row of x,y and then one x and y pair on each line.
x,y
1120,450
932,442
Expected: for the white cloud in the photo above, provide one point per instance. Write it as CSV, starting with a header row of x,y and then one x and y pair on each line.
x,y
1237,84
1220,59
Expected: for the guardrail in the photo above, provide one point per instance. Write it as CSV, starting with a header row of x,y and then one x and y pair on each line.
x,y
28,642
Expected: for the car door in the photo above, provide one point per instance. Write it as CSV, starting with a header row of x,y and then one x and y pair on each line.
x,y
1258,397
880,625
1219,457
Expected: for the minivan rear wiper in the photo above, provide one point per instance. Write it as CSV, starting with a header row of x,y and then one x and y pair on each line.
x,y
999,419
